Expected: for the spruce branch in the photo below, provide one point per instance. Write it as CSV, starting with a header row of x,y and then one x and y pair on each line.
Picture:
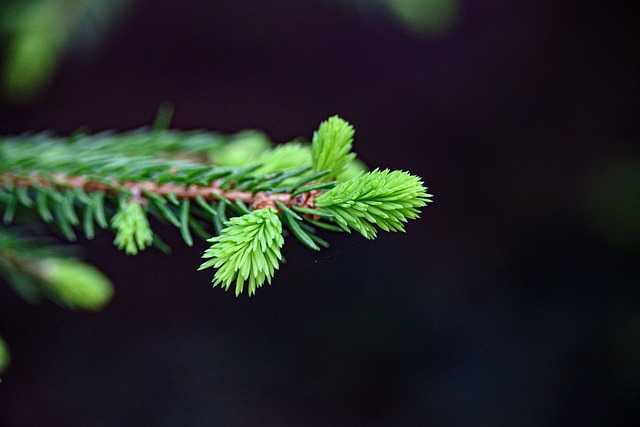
x,y
239,192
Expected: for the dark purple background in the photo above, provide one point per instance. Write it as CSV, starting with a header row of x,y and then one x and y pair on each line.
x,y
501,306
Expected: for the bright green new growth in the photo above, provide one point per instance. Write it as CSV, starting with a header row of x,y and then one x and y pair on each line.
x,y
297,154
132,228
331,146
77,284
286,156
247,146
383,198
248,249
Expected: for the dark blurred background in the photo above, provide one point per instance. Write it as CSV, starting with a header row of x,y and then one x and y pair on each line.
x,y
513,301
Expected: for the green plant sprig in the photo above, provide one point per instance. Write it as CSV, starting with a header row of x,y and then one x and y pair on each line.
x,y
197,182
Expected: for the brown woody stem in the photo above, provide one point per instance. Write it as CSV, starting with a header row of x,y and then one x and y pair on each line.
x,y
257,200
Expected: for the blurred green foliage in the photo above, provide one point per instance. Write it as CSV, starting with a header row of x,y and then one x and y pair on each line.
x,y
35,269
4,355
612,203
78,284
424,18
36,34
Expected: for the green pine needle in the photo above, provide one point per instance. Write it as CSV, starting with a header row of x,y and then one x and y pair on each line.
x,y
248,249
132,228
331,146
383,198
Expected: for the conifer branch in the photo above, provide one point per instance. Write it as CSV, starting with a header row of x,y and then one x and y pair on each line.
x,y
238,192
